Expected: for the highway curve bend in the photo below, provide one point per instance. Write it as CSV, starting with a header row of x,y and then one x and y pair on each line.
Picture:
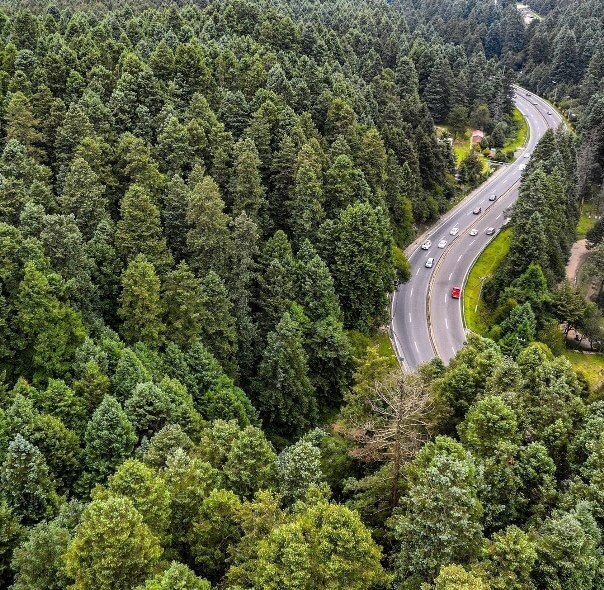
x,y
425,320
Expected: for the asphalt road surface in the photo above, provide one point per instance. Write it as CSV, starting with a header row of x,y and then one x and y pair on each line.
x,y
425,320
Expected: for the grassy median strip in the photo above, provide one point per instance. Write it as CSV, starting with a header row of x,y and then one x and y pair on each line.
x,y
476,313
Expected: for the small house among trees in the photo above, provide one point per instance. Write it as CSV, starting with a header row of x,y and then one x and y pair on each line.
x,y
476,137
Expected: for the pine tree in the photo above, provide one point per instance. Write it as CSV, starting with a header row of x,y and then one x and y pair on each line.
x,y
109,438
175,200
446,481
208,237
284,394
147,491
50,330
139,229
182,300
306,204
177,576
242,264
140,305
26,483
373,159
437,92
112,548
22,125
173,150
246,189
217,322
362,265
84,196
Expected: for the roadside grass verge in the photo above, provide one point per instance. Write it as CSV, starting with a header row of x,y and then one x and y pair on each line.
x,y
521,136
476,312
590,365
381,339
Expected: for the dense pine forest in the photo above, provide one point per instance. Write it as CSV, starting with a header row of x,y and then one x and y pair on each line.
x,y
203,211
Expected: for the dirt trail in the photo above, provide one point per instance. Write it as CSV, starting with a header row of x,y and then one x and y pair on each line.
x,y
577,256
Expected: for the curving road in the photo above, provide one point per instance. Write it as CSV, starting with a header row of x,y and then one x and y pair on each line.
x,y
425,320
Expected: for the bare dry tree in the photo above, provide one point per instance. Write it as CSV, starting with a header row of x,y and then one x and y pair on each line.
x,y
394,423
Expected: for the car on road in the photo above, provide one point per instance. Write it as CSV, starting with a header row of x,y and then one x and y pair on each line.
x,y
490,231
426,245
528,93
442,243
549,113
474,232
430,263
527,155
477,210
522,166
493,197
456,292
454,231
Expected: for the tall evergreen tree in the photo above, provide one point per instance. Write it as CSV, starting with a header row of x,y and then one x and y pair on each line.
x,y
140,304
84,196
246,190
139,229
109,438
208,236
284,394
27,484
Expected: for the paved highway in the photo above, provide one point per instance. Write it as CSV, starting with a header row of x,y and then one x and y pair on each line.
x,y
425,320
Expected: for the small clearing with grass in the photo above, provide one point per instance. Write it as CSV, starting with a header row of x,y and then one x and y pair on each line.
x,y
590,365
381,339
476,312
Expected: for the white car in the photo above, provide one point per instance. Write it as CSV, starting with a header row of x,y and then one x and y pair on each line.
x,y
549,113
426,245
527,155
522,166
493,197
430,263
442,243
490,231
474,232
454,231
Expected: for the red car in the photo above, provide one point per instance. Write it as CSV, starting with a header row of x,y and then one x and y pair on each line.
x,y
456,292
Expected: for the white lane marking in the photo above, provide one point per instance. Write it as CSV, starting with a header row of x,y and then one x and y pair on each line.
x,y
446,298
450,276
453,349
417,272
416,347
481,202
460,256
410,317
472,241
411,294
446,323
496,218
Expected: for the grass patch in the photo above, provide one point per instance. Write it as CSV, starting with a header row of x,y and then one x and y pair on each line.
x,y
584,225
590,365
521,135
475,311
381,339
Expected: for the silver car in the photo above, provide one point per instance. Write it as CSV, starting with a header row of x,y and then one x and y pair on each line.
x,y
430,263
426,245
442,243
